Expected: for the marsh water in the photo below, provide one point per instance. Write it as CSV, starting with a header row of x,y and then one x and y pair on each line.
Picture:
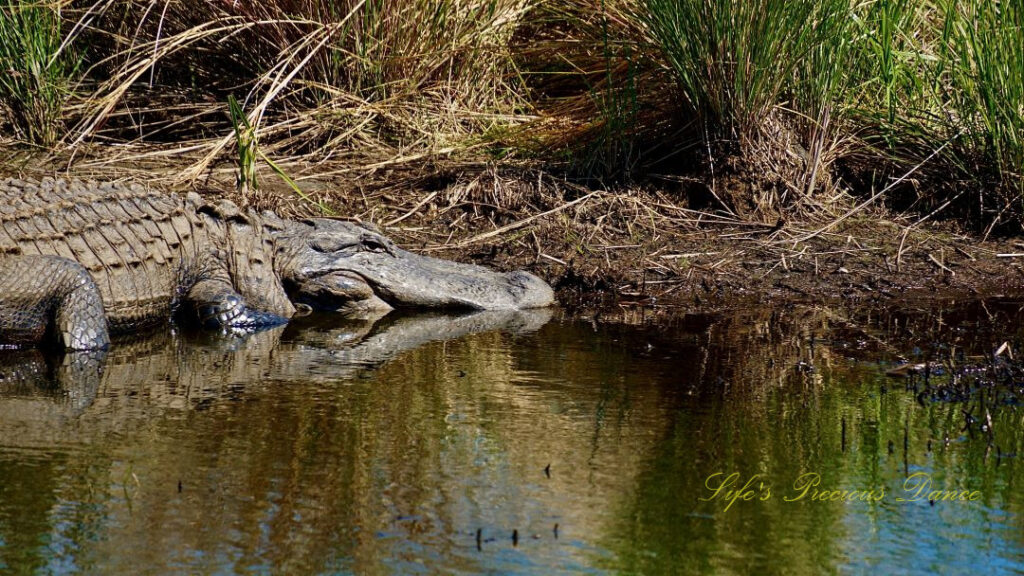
x,y
521,443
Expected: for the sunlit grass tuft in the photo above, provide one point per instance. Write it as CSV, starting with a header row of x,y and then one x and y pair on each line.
x,y
982,53
36,68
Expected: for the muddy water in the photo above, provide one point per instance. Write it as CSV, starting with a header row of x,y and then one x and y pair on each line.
x,y
518,443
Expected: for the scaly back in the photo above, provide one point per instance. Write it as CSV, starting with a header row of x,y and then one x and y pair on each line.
x,y
130,239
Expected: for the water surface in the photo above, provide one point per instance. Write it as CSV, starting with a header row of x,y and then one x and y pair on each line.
x,y
515,443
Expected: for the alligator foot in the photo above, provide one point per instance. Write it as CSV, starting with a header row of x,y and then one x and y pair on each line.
x,y
230,311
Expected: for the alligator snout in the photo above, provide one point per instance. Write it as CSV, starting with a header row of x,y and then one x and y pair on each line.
x,y
529,291
412,280
343,266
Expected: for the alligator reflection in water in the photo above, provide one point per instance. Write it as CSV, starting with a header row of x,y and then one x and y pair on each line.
x,y
301,452
61,416
202,366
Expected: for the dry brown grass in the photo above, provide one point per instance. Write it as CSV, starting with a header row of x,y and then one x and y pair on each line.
x,y
364,82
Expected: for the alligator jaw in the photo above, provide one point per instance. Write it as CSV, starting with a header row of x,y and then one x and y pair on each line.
x,y
340,291
371,282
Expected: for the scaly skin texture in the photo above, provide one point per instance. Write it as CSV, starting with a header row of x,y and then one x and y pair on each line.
x,y
143,253
70,312
81,259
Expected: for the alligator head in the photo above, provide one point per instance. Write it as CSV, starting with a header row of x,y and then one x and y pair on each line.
x,y
349,267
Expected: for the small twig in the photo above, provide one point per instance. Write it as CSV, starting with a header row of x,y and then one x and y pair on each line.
x,y
1004,347
524,221
413,211
940,265
899,251
686,255
965,253
553,259
659,282
770,270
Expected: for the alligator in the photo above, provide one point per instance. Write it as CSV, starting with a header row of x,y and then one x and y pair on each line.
x,y
80,260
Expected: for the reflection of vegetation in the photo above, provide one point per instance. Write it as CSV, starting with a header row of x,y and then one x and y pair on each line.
x,y
28,490
755,414
294,460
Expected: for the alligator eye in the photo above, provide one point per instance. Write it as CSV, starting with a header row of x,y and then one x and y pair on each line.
x,y
371,245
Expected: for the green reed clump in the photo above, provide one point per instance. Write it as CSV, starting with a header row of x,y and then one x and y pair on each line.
x,y
736,60
35,69
982,69
793,87
248,148
891,102
889,65
935,87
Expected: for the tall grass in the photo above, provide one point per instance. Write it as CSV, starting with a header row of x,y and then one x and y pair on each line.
x,y
388,78
982,56
892,99
612,88
940,83
887,81
35,68
889,63
735,61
